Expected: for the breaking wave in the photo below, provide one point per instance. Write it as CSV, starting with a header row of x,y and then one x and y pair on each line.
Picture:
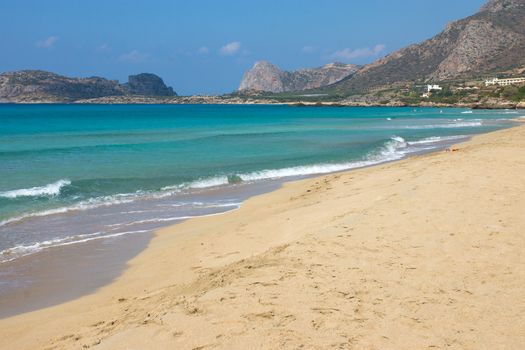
x,y
436,139
52,189
393,149
446,126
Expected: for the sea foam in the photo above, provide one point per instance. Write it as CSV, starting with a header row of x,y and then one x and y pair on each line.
x,y
393,149
51,189
437,139
457,124
80,206
19,251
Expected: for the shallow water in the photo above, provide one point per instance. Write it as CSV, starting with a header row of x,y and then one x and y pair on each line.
x,y
71,174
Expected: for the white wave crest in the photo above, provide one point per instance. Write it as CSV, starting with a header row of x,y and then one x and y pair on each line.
x,y
446,126
390,151
210,182
394,149
52,189
436,139
19,251
175,218
198,184
84,205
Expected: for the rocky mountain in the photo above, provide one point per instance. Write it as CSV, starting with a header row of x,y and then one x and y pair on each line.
x,y
491,41
147,84
265,76
41,86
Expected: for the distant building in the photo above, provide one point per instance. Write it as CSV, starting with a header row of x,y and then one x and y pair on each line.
x,y
431,88
467,88
504,82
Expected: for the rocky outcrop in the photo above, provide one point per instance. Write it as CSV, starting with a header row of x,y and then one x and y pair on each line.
x,y
215,99
147,84
489,42
265,76
499,5
34,86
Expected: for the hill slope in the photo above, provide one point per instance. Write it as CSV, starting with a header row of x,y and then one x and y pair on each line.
x,y
491,41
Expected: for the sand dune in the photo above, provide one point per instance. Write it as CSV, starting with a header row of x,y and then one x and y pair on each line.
x,y
425,253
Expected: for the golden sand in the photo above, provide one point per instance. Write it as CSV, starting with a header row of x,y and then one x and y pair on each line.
x,y
425,253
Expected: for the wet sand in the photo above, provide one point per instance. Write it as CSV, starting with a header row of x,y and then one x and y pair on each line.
x,y
422,253
60,274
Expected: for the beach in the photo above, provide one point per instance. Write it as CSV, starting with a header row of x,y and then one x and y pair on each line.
x,y
422,253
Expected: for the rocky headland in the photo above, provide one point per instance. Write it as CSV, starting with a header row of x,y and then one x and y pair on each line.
x,y
36,86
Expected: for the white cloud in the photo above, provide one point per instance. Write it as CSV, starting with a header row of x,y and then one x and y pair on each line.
x,y
134,56
47,43
104,47
309,49
350,54
203,50
230,49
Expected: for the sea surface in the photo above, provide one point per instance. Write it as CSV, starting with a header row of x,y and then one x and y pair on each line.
x,y
76,173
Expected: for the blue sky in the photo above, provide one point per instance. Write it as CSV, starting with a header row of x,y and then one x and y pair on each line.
x,y
204,46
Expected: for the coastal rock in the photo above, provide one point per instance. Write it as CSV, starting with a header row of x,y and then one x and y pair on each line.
x,y
36,86
136,99
495,103
147,84
265,76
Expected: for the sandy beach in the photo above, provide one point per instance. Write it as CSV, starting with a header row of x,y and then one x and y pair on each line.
x,y
424,253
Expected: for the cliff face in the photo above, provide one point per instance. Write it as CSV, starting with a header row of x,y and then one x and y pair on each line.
x,y
147,84
40,86
491,41
265,76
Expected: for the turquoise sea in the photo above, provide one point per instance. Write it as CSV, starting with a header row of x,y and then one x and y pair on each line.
x,y
72,173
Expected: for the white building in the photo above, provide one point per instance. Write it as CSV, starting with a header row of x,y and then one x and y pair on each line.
x,y
504,82
431,88
467,88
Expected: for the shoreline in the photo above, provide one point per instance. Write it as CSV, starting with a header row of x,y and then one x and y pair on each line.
x,y
61,273
58,265
262,247
241,101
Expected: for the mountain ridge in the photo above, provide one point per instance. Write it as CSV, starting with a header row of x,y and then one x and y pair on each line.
x,y
39,85
267,77
486,43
